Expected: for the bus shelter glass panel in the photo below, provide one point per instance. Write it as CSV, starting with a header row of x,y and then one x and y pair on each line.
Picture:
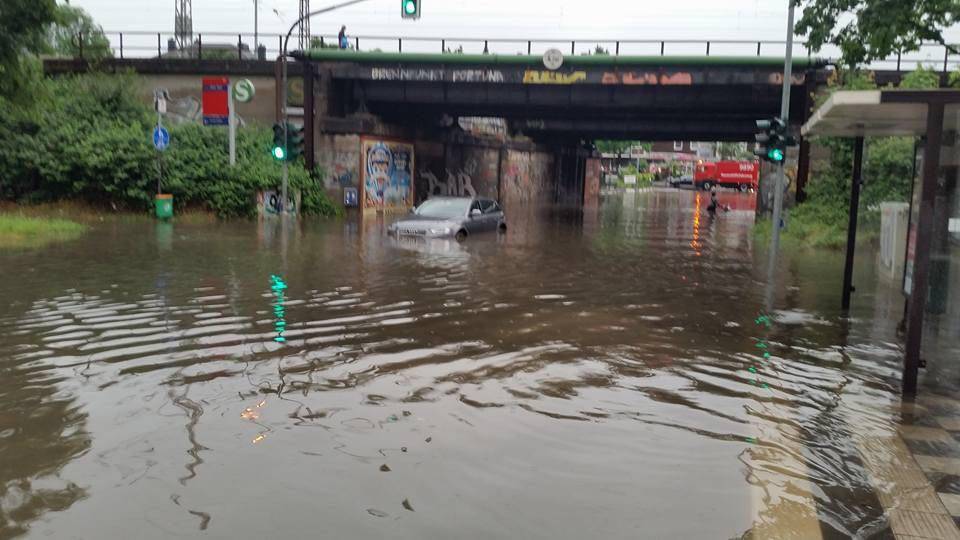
x,y
941,329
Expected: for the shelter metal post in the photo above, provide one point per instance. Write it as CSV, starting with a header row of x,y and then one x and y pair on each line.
x,y
921,265
854,217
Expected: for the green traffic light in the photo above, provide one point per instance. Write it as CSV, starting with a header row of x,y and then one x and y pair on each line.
x,y
410,7
775,154
279,153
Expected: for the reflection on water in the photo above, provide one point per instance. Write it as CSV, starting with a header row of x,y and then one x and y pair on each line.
x,y
585,375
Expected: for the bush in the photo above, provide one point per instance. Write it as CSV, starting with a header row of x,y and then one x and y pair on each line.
x,y
887,175
88,139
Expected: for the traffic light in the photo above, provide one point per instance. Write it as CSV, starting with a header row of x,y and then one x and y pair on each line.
x,y
294,142
279,148
772,140
410,9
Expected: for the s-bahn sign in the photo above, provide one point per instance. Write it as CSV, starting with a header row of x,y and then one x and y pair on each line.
x,y
243,91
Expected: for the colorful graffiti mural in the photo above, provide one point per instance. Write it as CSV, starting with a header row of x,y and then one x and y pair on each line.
x,y
387,175
553,77
632,78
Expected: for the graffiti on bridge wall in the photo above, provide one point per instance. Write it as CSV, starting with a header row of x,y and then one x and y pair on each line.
x,y
532,76
436,75
634,78
525,179
343,169
457,184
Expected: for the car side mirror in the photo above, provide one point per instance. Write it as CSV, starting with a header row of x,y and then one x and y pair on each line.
x,y
475,212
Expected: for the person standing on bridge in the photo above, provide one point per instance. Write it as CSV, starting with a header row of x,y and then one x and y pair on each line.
x,y
342,39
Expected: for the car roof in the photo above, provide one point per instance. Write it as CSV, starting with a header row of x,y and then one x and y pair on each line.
x,y
454,198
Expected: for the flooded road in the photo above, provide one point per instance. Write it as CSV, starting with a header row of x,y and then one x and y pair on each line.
x,y
594,376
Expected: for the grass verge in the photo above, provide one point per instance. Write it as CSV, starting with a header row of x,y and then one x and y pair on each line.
x,y
808,231
19,231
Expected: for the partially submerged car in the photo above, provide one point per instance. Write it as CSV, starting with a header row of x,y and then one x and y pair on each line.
x,y
456,217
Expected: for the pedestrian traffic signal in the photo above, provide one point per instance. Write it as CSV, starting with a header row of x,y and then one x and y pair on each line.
x,y
410,9
279,148
772,140
294,142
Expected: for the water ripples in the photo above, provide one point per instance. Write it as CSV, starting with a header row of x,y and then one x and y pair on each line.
x,y
494,373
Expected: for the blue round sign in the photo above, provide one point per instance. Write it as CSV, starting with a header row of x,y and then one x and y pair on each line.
x,y
161,138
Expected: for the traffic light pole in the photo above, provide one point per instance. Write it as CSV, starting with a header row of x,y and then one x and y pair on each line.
x,y
781,175
283,88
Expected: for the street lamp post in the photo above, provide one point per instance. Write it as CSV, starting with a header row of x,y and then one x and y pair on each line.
x,y
283,85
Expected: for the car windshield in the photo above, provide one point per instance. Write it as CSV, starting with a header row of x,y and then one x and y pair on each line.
x,y
444,208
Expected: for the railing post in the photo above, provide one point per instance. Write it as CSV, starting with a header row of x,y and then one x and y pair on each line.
x,y
758,48
529,47
159,54
121,45
239,47
662,43
400,45
357,39
443,45
199,46
279,49
573,48
708,48
618,49
898,60
80,44
486,47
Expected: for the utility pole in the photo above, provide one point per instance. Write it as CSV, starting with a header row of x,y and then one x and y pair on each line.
x,y
780,176
284,120
183,22
304,25
256,25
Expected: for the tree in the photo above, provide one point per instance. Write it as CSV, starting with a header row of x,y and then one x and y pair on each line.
x,y
921,78
72,26
319,43
867,30
620,147
734,150
22,32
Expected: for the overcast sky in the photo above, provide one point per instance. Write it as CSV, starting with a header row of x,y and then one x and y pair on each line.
x,y
561,19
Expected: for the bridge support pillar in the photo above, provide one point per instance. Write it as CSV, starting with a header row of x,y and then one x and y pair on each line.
x,y
309,116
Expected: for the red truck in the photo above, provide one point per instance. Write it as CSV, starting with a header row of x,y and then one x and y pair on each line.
x,y
742,175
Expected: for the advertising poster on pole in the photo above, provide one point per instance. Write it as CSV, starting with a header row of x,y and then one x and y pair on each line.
x,y
215,101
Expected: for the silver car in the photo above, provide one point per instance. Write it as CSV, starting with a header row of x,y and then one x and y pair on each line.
x,y
457,217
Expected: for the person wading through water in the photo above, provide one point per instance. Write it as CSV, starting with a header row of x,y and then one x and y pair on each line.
x,y
714,203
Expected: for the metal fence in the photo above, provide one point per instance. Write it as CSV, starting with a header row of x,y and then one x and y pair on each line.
x,y
220,45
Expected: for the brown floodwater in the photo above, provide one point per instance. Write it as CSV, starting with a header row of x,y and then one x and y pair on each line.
x,y
594,375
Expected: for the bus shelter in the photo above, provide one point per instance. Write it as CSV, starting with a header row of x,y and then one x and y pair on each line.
x,y
930,277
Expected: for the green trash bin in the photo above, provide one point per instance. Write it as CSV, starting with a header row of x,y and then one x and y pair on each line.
x,y
164,206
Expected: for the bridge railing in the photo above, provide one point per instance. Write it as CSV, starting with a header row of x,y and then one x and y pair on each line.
x,y
241,45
